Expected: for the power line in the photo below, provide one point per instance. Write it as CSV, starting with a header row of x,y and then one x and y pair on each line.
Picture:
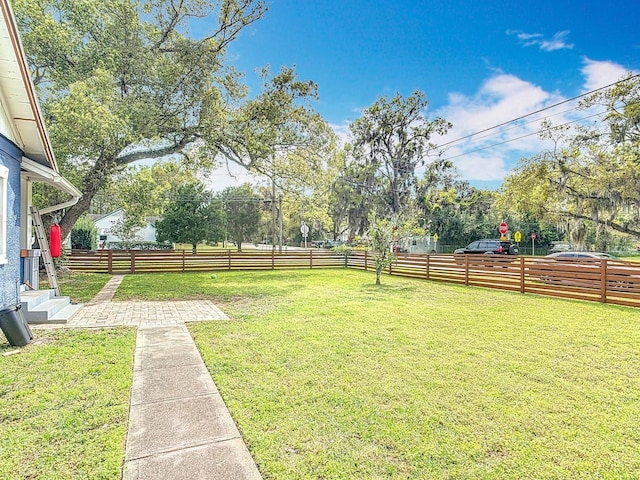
x,y
538,111
524,136
523,124
553,127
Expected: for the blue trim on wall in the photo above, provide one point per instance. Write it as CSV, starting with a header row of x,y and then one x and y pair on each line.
x,y
10,273
10,148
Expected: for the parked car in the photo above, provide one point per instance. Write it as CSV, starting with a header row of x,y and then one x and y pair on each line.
x,y
583,269
318,243
561,247
577,255
488,246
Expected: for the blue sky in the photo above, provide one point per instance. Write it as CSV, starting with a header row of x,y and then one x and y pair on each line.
x,y
479,62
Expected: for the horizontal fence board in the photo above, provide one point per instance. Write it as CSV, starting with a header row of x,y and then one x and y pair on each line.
x,y
602,281
497,286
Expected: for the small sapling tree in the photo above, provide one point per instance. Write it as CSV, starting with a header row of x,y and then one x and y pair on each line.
x,y
383,234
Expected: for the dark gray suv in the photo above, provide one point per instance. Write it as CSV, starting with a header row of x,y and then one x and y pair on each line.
x,y
503,247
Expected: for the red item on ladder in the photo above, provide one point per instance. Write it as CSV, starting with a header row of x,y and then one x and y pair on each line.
x,y
55,240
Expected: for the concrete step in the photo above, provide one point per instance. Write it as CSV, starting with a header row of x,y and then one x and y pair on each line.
x,y
64,315
42,312
30,299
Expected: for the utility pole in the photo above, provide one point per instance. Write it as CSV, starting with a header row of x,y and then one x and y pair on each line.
x,y
280,219
273,212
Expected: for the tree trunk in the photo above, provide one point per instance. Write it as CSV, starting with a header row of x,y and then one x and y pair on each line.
x,y
91,184
395,208
194,248
73,213
378,273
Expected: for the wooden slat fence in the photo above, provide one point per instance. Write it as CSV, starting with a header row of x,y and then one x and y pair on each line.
x,y
604,281
607,281
141,261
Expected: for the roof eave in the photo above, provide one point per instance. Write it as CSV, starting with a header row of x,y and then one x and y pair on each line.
x,y
39,148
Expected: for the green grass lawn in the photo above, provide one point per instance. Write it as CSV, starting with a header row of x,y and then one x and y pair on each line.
x,y
64,404
329,376
80,287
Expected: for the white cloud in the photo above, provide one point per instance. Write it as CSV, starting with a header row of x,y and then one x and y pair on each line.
x,y
528,36
342,132
500,99
557,42
482,167
489,156
601,73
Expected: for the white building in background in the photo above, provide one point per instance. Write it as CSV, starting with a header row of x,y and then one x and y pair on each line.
x,y
417,244
107,224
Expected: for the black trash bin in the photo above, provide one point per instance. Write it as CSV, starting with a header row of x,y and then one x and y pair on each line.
x,y
14,326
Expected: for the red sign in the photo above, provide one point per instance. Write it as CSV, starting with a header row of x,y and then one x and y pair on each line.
x,y
503,228
533,236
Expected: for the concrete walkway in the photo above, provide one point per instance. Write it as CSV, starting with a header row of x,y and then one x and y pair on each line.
x,y
179,426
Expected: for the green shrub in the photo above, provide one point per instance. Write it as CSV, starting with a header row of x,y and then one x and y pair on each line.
x,y
346,249
84,234
139,245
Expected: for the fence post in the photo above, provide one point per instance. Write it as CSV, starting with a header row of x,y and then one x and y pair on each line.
x,y
366,255
466,270
273,258
310,258
110,262
133,261
183,261
427,265
229,259
603,280
522,274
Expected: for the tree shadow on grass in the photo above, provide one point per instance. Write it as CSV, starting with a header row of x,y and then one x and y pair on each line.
x,y
387,288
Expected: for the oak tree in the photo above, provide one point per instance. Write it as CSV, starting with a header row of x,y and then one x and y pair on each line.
x,y
124,80
390,141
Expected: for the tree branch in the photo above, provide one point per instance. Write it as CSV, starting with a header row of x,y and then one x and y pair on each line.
x,y
618,227
156,153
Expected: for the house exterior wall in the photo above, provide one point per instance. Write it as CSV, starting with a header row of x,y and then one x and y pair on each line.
x,y
10,272
148,233
103,227
27,232
106,223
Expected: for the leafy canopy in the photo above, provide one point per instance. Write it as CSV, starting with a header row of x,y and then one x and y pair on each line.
x,y
191,217
123,80
390,141
590,179
242,207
